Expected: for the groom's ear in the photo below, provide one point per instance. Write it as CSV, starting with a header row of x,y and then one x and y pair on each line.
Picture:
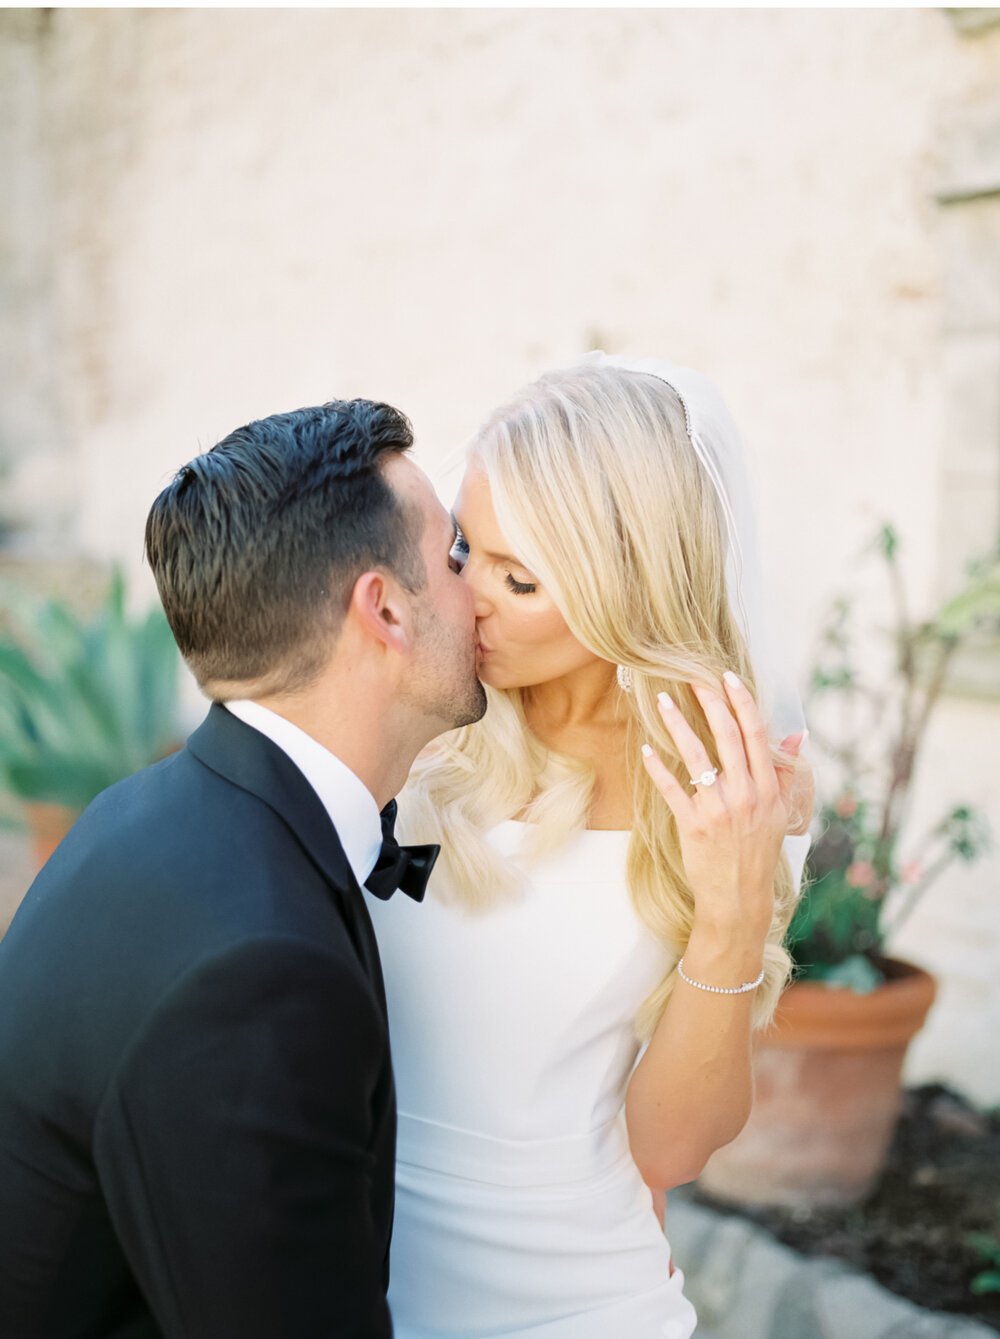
x,y
381,612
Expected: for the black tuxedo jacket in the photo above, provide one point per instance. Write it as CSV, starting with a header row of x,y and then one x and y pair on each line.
x,y
197,1114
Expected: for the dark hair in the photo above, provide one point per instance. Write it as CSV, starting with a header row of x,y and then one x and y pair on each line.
x,y
257,544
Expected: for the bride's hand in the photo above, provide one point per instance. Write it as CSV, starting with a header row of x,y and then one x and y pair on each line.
x,y
730,830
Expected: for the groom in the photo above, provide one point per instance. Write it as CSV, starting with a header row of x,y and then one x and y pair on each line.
x,y
197,1114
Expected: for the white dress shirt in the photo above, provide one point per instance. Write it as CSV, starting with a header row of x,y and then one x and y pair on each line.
x,y
348,801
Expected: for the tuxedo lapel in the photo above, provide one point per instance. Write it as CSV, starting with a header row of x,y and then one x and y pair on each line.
x,y
248,759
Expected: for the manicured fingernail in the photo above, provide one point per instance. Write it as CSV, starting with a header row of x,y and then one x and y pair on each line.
x,y
647,752
731,679
664,700
805,736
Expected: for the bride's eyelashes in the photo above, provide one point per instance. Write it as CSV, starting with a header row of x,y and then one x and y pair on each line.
x,y
519,587
460,555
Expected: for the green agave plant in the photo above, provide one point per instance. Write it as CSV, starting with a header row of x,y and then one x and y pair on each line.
x,y
83,703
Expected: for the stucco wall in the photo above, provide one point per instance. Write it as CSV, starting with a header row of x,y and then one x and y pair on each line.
x,y
225,213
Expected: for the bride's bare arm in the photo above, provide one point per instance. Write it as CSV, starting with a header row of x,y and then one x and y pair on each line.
x,y
692,1090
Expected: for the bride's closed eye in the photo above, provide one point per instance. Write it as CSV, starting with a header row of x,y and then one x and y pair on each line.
x,y
519,587
460,555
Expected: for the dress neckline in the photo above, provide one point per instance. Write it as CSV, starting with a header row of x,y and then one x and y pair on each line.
x,y
605,832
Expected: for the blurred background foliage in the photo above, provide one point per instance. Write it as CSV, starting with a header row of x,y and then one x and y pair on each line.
x,y
85,699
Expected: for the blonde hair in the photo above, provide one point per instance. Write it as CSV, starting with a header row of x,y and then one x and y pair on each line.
x,y
596,485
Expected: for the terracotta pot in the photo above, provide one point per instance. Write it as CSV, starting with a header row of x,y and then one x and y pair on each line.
x,y
49,823
827,1094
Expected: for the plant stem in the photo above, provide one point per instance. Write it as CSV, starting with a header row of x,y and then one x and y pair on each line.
x,y
917,891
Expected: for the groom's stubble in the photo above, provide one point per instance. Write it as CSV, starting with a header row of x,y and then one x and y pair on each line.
x,y
444,684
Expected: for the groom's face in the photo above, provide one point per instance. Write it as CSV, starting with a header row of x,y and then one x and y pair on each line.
x,y
441,681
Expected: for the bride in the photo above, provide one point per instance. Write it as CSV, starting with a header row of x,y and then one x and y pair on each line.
x,y
571,1009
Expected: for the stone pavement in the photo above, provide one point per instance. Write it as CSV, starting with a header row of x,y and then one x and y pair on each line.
x,y
746,1285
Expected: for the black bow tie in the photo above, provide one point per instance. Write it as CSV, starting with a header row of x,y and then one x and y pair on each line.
x,y
404,867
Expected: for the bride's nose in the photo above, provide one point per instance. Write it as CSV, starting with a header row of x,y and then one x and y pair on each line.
x,y
481,605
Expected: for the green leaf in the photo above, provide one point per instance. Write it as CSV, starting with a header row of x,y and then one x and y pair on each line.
x,y
854,973
967,832
984,1244
886,542
83,704
840,678
977,603
833,920
986,1282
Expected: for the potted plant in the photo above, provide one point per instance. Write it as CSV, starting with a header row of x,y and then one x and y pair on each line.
x,y
83,703
827,1072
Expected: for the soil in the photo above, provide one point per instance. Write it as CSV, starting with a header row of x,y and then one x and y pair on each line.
x,y
942,1182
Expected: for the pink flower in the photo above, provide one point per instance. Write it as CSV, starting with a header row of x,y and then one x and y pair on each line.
x,y
846,805
911,871
860,874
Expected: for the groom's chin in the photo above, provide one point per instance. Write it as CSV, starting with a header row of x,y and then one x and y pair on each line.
x,y
477,705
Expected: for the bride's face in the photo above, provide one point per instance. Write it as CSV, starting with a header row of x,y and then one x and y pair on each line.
x,y
523,637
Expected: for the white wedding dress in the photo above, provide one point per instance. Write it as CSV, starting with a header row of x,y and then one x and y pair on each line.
x,y
519,1210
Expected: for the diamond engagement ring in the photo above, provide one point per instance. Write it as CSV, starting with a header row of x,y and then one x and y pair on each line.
x,y
706,778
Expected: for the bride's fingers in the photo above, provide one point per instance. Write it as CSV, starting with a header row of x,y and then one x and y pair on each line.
x,y
728,739
754,732
693,753
789,774
677,798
